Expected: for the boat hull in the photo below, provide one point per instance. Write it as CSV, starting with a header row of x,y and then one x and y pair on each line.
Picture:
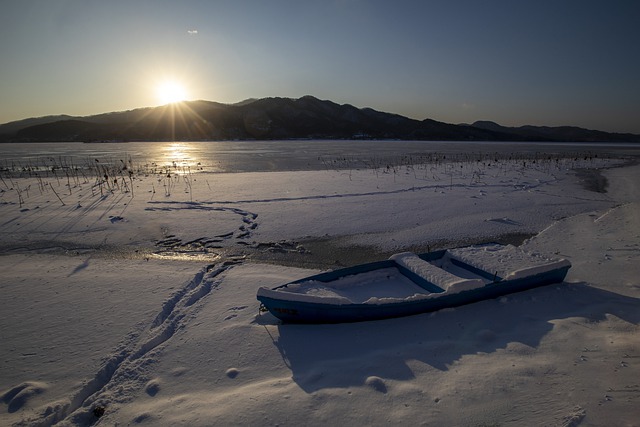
x,y
300,311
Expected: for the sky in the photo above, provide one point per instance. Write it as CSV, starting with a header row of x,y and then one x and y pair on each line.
x,y
543,62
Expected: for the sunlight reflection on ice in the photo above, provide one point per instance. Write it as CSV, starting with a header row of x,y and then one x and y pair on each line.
x,y
180,157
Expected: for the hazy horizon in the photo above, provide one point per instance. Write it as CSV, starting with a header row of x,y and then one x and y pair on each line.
x,y
513,63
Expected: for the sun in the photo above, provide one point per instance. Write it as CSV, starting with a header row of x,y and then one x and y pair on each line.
x,y
170,91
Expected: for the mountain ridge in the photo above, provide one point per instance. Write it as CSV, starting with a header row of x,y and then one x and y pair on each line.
x,y
278,118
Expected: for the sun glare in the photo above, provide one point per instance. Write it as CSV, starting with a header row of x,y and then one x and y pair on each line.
x,y
170,91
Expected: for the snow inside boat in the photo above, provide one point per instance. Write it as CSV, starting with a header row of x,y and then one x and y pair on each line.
x,y
408,284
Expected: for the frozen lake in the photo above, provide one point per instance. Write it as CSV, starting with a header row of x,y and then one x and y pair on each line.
x,y
265,156
135,301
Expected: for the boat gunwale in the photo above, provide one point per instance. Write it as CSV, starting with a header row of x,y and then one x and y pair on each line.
x,y
315,310
350,312
333,275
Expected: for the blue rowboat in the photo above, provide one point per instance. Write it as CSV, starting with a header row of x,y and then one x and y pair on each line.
x,y
409,283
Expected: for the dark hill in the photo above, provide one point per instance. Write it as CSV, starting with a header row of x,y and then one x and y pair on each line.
x,y
558,134
275,118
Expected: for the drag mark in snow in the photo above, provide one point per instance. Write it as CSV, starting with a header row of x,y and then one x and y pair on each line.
x,y
507,185
125,368
170,304
604,215
174,310
505,220
175,243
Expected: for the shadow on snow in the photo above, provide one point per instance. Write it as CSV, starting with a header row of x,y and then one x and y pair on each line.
x,y
344,355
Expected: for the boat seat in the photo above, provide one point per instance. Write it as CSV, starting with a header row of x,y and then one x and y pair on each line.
x,y
505,263
436,275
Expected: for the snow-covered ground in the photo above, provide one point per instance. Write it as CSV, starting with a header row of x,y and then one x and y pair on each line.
x,y
133,301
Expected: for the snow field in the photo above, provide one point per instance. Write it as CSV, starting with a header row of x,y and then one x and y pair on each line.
x,y
164,337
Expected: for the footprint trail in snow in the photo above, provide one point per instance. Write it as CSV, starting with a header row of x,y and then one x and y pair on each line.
x,y
124,371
